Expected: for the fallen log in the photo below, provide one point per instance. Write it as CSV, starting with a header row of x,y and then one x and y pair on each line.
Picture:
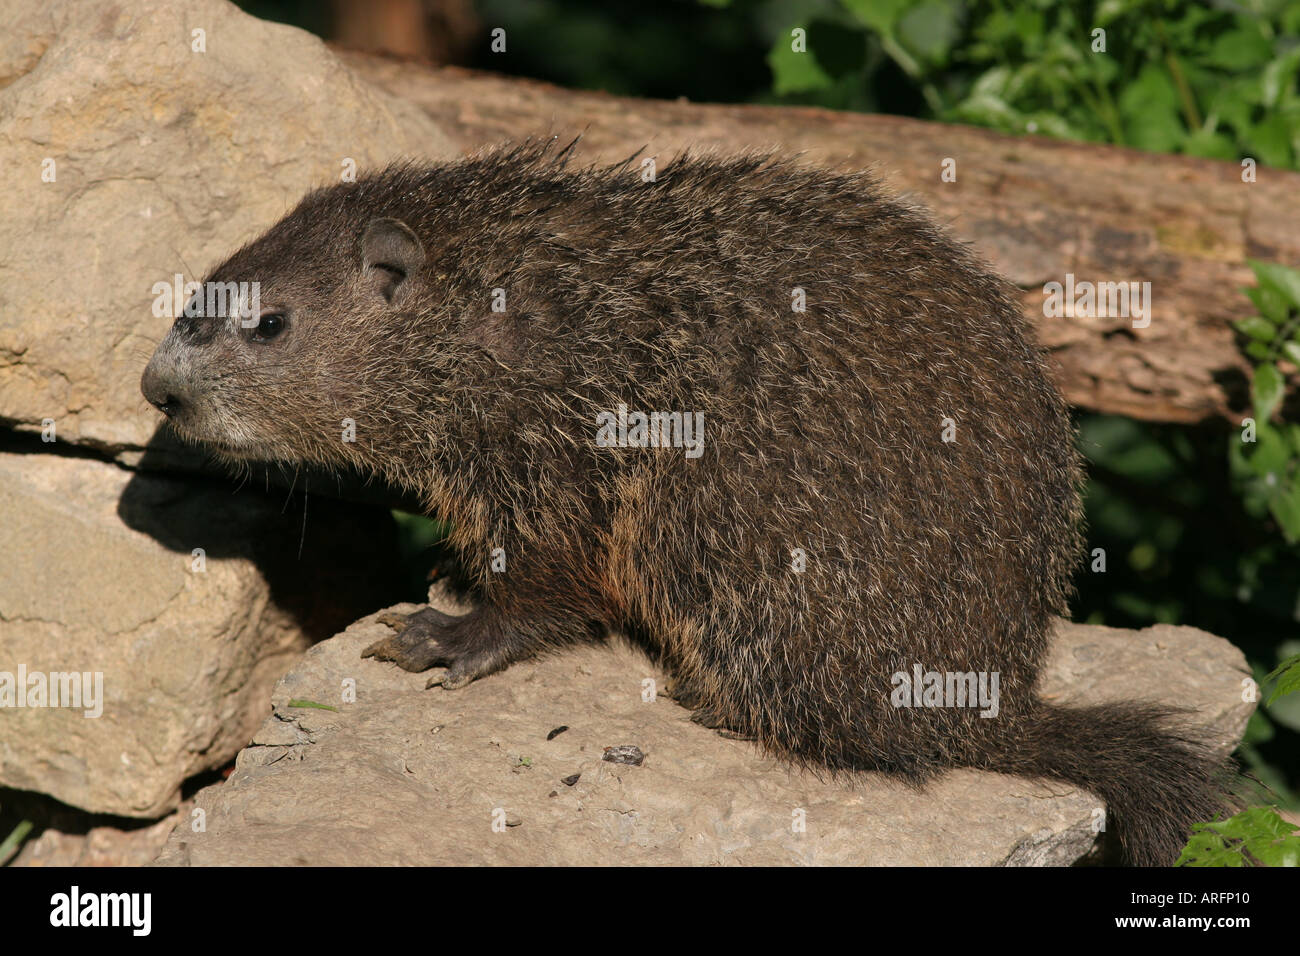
x,y
1039,209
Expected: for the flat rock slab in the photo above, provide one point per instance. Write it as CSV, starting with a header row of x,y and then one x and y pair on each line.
x,y
411,776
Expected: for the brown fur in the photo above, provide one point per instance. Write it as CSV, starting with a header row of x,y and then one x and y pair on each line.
x,y
822,432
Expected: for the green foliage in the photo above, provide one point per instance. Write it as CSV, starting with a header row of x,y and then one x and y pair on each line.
x,y
1258,835
1287,676
1254,836
1216,81
1265,456
1268,478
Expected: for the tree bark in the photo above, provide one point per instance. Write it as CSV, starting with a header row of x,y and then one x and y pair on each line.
x,y
1035,208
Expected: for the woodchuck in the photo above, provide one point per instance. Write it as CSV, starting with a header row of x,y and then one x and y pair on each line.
x,y
770,420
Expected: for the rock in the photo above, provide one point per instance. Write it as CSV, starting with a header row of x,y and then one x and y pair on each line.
x,y
166,160
99,846
67,837
428,777
144,142
98,579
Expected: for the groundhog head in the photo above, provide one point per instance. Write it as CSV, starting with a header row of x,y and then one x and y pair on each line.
x,y
297,337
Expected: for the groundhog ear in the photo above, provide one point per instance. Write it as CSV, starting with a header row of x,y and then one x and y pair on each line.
x,y
390,252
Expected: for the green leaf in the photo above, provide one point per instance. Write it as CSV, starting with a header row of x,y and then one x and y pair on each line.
x,y
1257,327
1258,350
1028,26
1151,92
1284,505
1283,280
1292,351
1271,452
1213,146
1241,49
992,82
795,72
1149,107
1049,124
1271,303
1270,141
879,15
1259,730
930,29
1279,75
1266,391
1182,31
15,839
1258,834
297,702
1287,675
988,111
1105,68
1207,848
1109,10
1234,102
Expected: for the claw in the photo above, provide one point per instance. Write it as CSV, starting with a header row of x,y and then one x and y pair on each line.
x,y
398,622
380,650
453,681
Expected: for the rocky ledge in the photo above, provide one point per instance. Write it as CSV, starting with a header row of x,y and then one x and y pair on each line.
x,y
514,769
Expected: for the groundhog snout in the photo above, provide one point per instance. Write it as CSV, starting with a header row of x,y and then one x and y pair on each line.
x,y
162,390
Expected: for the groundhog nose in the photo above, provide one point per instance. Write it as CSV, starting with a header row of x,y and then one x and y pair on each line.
x,y
159,393
169,406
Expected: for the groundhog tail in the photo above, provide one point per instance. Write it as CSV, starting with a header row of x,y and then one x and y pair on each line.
x,y
1155,779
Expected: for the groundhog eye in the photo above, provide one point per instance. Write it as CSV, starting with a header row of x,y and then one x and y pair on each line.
x,y
269,326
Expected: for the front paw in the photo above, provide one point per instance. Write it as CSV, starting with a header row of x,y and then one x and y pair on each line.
x,y
429,638
416,645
